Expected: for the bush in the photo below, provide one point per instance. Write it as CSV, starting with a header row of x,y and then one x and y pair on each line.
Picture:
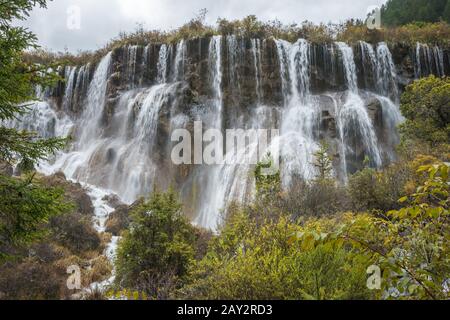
x,y
315,199
371,190
75,231
425,105
155,252
251,261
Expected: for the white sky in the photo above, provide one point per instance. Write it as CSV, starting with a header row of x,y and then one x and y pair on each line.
x,y
101,20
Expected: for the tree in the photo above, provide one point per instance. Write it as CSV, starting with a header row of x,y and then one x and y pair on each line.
x,y
425,107
410,245
323,163
155,252
400,12
25,205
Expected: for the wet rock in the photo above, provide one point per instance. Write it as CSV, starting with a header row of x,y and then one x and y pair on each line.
x,y
375,110
120,219
74,192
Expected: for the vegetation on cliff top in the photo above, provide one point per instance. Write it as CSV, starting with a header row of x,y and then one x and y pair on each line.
x,y
350,31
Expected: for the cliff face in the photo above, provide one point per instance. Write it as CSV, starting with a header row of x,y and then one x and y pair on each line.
x,y
123,110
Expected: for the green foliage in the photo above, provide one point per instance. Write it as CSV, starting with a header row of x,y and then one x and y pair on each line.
x,y
26,146
317,198
409,34
25,206
154,254
400,12
371,190
425,105
323,163
410,245
39,269
253,260
268,183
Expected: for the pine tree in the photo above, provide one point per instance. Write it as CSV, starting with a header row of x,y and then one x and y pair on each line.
x,y
323,163
24,205
400,12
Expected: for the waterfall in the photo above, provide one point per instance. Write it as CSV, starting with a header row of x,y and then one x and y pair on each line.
x,y
214,193
95,102
353,114
428,61
162,64
144,64
300,115
81,85
215,65
121,128
369,62
134,159
234,59
256,52
131,65
180,58
386,72
348,61
69,91
439,61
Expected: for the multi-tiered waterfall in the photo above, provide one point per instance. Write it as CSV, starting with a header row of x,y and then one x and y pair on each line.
x,y
121,111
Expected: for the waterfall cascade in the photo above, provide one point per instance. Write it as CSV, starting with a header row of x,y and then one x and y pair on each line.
x,y
122,110
429,60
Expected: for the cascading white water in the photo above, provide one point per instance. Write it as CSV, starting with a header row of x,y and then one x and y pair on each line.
x,y
233,53
256,52
353,114
162,64
131,65
133,155
386,72
209,214
179,64
369,61
68,96
428,60
439,61
43,120
119,139
300,115
119,148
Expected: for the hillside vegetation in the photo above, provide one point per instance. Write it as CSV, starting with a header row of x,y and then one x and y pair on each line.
x,y
400,12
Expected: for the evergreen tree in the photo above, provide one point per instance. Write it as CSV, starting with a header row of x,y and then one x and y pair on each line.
x,y
24,205
400,12
155,252
323,163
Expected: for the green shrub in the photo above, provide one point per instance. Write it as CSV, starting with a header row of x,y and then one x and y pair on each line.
x,y
251,261
155,252
425,105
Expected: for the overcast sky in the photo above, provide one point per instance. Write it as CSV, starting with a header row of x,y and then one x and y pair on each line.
x,y
102,20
